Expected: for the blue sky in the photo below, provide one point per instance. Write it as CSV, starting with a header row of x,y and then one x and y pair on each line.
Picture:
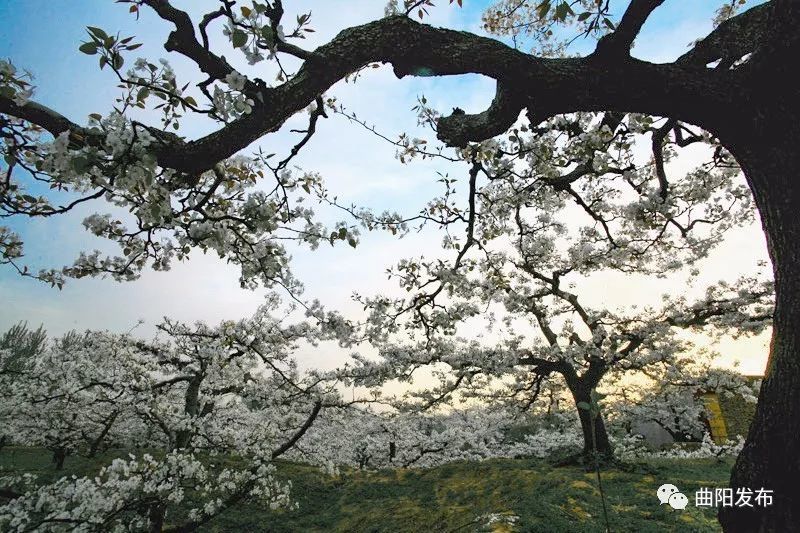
x,y
43,35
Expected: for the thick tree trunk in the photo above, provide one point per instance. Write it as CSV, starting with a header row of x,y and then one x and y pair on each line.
x,y
59,456
191,407
156,515
95,446
182,439
595,436
770,158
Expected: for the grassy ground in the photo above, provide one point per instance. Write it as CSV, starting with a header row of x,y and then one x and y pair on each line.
x,y
458,496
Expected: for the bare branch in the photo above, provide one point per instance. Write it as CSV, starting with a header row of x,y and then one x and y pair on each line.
x,y
52,121
618,43
658,157
286,446
183,41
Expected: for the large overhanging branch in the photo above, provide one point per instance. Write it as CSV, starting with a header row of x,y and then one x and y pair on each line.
x,y
545,87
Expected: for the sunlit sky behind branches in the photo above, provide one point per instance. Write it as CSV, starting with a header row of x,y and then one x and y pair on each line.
x,y
42,36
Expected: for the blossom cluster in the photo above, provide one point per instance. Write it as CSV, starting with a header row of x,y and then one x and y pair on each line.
x,y
109,501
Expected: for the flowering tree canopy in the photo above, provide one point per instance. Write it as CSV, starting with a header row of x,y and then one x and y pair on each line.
x,y
231,389
548,207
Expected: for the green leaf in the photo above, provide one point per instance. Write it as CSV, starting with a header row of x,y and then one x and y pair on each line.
x,y
80,164
543,9
97,32
88,48
103,62
239,38
134,46
352,242
118,61
96,116
609,24
563,11
583,16
143,93
342,233
585,406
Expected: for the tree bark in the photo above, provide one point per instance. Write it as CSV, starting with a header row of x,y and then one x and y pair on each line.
x,y
59,456
95,446
191,406
768,154
599,440
156,516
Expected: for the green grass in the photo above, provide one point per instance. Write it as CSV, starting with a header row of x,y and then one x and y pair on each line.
x,y
453,496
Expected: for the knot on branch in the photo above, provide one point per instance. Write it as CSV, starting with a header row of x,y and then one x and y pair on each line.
x,y
460,128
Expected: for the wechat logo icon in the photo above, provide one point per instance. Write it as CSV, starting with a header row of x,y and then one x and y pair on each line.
x,y
669,494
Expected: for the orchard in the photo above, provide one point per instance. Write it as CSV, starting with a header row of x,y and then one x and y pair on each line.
x,y
500,339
